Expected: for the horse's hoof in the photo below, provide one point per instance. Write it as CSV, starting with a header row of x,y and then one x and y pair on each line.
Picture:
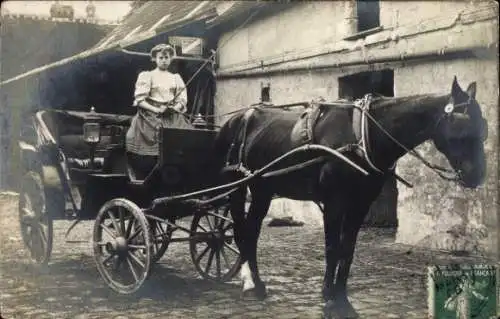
x,y
339,310
257,292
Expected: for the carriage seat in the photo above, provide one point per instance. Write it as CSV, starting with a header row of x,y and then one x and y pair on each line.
x,y
77,151
67,130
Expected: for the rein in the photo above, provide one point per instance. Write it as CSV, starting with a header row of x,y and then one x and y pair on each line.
x,y
363,106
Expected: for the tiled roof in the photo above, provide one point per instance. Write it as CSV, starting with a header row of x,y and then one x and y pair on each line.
x,y
154,16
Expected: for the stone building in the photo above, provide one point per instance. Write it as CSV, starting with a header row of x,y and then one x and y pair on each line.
x,y
297,51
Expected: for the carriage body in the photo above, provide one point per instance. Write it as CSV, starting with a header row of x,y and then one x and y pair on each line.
x,y
53,147
75,166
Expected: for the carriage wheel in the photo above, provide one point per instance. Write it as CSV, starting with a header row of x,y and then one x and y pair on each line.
x,y
213,249
161,234
122,245
35,222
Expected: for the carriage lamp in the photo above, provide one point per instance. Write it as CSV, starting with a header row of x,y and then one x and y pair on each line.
x,y
92,133
92,128
199,122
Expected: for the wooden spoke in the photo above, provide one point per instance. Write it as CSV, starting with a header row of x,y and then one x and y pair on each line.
x,y
198,259
220,227
203,228
234,250
136,259
115,223
132,270
217,263
224,256
117,263
129,228
108,231
207,217
122,221
137,232
105,261
225,229
209,262
137,246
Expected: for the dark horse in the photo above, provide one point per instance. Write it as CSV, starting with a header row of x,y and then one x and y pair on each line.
x,y
453,121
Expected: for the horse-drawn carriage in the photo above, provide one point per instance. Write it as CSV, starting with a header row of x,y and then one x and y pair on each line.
x,y
338,154
75,167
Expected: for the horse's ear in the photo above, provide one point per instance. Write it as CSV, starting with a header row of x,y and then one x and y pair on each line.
x,y
455,88
471,90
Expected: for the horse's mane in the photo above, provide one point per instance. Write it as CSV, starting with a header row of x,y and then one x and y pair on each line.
x,y
384,102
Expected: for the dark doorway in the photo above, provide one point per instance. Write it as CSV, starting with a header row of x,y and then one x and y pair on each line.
x,y
355,86
383,212
265,92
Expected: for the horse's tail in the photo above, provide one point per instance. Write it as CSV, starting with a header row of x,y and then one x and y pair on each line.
x,y
226,137
225,143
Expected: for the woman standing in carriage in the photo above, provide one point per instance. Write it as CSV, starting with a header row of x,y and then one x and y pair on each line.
x,y
160,97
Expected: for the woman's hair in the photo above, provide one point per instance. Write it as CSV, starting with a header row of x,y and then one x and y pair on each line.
x,y
162,48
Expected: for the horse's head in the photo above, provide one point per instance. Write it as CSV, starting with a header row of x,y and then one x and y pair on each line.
x,y
460,134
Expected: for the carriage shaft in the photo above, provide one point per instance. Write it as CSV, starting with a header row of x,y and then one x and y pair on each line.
x,y
296,167
336,153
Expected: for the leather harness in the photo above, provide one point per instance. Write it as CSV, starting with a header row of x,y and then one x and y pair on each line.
x,y
303,132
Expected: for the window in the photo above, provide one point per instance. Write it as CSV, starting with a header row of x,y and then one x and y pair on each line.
x,y
265,93
187,45
355,86
368,13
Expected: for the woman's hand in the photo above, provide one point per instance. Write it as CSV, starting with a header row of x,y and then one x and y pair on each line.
x,y
178,107
162,109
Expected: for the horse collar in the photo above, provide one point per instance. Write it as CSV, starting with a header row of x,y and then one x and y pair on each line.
x,y
361,129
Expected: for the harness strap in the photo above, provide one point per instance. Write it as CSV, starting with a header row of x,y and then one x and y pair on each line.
x,y
242,137
361,113
362,107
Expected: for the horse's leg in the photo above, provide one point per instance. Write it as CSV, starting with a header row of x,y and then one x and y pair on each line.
x,y
349,233
332,222
237,208
252,284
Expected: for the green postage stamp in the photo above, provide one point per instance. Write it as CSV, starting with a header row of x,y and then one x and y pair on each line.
x,y
463,291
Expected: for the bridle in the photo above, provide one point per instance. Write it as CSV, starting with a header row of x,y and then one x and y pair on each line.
x,y
449,174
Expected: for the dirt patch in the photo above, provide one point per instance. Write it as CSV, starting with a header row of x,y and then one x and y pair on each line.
x,y
10,240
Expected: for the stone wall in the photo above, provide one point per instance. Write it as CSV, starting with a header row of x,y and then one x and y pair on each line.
x,y
436,213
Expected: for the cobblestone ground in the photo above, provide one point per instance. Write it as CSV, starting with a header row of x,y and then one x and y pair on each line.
x,y
387,280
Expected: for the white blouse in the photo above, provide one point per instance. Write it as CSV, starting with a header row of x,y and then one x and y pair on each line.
x,y
162,87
